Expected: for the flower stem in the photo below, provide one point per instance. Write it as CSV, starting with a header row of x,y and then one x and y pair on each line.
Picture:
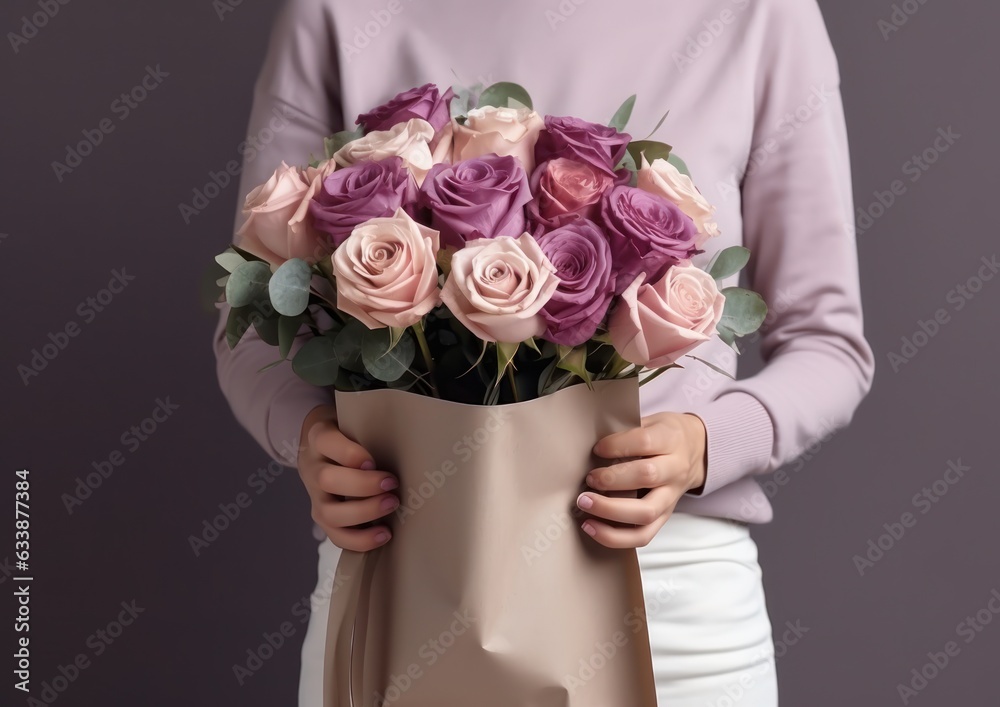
x,y
418,330
513,384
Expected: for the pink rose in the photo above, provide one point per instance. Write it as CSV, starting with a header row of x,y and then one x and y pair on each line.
x,y
409,141
386,272
664,179
500,131
654,325
564,190
498,286
278,225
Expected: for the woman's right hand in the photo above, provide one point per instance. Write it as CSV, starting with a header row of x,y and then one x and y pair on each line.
x,y
331,467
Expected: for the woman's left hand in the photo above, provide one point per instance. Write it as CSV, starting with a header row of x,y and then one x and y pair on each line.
x,y
670,451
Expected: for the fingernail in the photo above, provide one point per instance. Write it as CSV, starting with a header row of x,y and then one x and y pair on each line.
x,y
389,503
382,538
589,529
389,483
585,502
591,480
368,465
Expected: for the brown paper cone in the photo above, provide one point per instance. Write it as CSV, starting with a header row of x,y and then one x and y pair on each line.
x,y
489,594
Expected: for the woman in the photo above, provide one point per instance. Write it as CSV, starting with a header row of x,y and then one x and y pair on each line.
x,y
752,89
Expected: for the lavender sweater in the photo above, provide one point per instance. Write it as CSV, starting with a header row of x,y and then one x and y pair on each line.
x,y
753,92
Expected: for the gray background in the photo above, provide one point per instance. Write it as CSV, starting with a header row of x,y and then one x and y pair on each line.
x,y
201,614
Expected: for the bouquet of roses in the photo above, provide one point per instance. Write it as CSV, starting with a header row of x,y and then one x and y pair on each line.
x,y
455,253
482,254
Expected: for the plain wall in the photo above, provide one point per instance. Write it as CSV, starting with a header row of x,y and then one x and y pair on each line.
x,y
860,632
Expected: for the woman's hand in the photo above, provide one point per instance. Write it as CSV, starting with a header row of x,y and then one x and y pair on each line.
x,y
331,467
671,451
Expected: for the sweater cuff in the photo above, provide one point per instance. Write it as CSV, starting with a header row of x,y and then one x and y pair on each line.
x,y
740,439
285,416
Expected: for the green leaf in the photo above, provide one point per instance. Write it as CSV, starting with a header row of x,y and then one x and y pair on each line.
x,y
679,164
248,283
383,360
658,124
289,287
743,313
271,365
464,99
715,368
238,323
288,328
347,344
650,148
501,94
230,260
729,262
336,141
621,117
628,162
316,362
267,329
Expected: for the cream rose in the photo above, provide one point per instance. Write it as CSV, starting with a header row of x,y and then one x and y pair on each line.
x,y
654,325
386,272
278,225
664,179
498,286
501,131
409,140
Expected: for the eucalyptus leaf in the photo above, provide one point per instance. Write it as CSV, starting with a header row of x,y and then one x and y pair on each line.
x,y
332,144
729,262
650,148
383,360
679,164
248,283
316,362
347,344
289,287
267,329
621,117
288,329
464,99
230,260
501,94
743,313
237,324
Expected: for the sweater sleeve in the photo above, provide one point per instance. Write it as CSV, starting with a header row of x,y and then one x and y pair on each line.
x,y
296,104
797,214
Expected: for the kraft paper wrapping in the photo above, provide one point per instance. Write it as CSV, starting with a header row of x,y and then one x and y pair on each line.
x,y
489,594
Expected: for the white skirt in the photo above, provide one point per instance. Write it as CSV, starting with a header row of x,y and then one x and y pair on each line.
x,y
709,630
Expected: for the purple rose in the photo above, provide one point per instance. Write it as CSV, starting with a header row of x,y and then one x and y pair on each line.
x,y
647,234
425,102
352,195
580,253
483,197
597,145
